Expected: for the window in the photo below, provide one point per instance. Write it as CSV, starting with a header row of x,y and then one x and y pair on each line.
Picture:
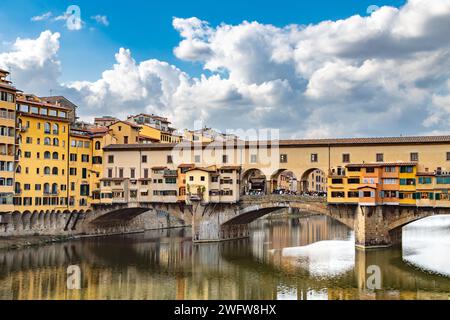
x,y
47,142
380,157
47,171
55,142
84,158
390,181
110,173
443,180
197,159
27,154
47,155
224,159
55,171
389,169
314,157
97,145
84,173
55,128
169,159
283,158
29,140
370,170
353,194
55,156
425,180
407,182
407,169
338,194
346,158
110,159
337,181
121,173
414,156
125,139
253,158
191,178
145,173
448,156
47,128
353,181
73,171
73,157
202,178
144,159
132,173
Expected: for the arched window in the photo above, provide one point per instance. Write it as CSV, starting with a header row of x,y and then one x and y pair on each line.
x,y
55,156
19,169
55,171
55,128
55,142
97,145
47,155
47,188
47,127
47,142
55,188
47,170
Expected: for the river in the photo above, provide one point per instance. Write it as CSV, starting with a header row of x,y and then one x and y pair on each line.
x,y
285,258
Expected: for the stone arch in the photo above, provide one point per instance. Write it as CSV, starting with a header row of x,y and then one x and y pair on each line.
x,y
284,180
47,219
34,220
253,181
309,181
16,220
26,220
41,219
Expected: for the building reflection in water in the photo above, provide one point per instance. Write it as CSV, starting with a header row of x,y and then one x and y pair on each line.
x,y
299,258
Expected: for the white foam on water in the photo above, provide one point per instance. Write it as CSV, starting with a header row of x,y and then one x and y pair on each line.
x,y
325,258
426,245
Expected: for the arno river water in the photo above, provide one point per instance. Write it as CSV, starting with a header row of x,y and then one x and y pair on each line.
x,y
285,258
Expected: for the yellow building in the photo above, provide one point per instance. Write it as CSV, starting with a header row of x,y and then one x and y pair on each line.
x,y
7,142
100,137
125,132
213,185
80,169
155,129
42,145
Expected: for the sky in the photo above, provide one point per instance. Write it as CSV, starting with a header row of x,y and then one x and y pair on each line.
x,y
312,69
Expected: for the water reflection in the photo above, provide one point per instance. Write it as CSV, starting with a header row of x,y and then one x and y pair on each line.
x,y
308,258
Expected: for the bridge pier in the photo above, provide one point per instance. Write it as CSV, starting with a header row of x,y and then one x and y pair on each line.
x,y
372,228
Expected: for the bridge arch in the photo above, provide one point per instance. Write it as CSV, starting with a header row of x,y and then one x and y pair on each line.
x,y
253,181
314,180
284,180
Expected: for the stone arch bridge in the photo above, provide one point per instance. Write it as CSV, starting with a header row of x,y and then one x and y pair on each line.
x,y
379,226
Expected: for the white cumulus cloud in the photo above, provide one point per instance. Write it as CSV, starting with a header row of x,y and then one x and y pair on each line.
x,y
383,74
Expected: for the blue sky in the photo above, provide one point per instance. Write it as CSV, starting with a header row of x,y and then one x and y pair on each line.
x,y
312,69
145,27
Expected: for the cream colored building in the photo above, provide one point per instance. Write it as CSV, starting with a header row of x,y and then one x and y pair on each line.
x,y
302,157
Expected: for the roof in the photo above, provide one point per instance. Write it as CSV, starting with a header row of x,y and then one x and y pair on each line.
x,y
209,170
159,168
41,103
425,174
144,137
296,143
230,168
135,126
185,165
151,116
61,100
381,164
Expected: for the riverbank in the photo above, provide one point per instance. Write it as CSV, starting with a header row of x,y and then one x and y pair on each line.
x,y
15,243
